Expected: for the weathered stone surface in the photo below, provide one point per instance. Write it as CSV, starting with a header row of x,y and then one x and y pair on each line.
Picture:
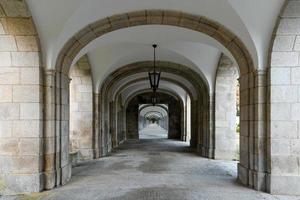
x,y
284,59
27,93
30,111
81,107
284,43
284,94
5,59
5,93
9,111
27,43
8,43
15,8
30,76
20,26
25,59
280,76
27,128
284,129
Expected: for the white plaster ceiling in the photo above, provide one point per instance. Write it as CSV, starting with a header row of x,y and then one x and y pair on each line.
x,y
136,81
134,44
143,85
251,20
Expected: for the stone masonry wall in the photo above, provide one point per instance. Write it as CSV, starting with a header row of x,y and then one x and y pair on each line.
x,y
226,138
81,109
284,102
21,101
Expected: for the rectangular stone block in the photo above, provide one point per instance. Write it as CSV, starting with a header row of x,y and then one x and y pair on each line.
x,y
280,76
30,111
20,26
5,93
9,146
243,174
295,75
8,43
25,59
284,130
27,43
30,146
297,44
284,43
284,184
280,111
30,76
283,94
27,93
284,164
28,164
285,59
280,146
9,75
295,146
5,59
15,8
9,111
5,129
85,107
24,183
289,26
27,128
295,111
292,9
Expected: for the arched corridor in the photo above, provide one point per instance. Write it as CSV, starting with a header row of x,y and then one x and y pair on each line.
x,y
167,99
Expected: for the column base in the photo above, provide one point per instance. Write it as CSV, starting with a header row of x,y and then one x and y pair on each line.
x,y
252,179
283,184
13,184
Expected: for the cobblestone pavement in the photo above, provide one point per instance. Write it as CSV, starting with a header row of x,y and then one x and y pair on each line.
x,y
154,169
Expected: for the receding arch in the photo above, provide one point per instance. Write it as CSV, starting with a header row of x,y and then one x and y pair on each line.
x,y
148,17
249,173
195,81
175,109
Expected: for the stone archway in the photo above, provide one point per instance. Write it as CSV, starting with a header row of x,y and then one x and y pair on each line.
x,y
196,88
252,172
144,97
21,102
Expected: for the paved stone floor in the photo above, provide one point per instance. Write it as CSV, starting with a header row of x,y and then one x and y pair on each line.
x,y
154,169
153,131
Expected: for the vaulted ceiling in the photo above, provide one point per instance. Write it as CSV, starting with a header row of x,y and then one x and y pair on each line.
x,y
251,20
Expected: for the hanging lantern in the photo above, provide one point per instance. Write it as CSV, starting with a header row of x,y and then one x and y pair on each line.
x,y
154,76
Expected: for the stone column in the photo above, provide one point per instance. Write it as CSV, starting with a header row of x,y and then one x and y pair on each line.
x,y
258,151
63,118
96,127
195,141
50,142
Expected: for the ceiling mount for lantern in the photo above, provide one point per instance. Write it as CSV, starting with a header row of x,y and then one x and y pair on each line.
x,y
154,76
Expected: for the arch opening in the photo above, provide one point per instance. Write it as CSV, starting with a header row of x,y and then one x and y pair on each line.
x,y
202,136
